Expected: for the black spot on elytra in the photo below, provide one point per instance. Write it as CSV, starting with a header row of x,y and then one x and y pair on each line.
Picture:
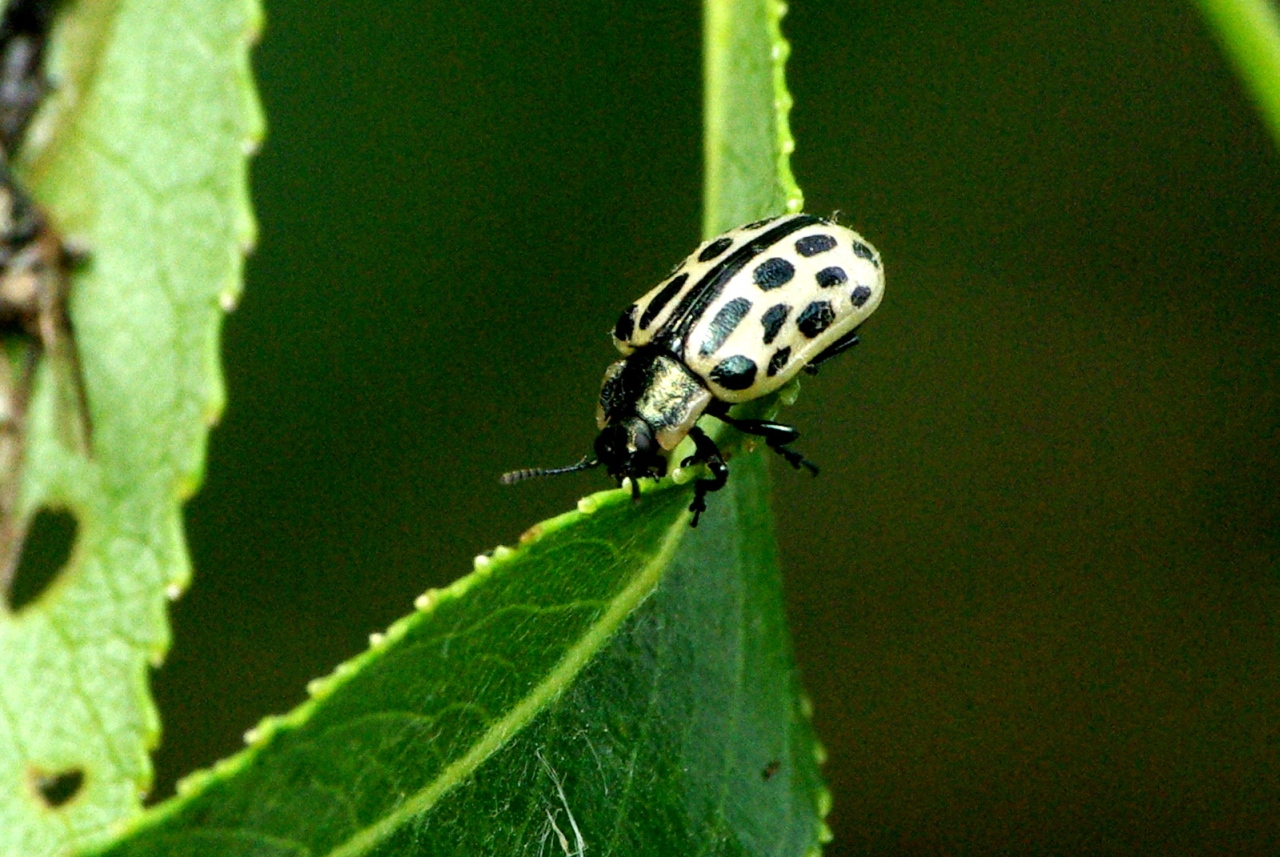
x,y
723,324
772,273
756,224
626,324
735,373
696,298
661,299
860,295
832,276
778,360
862,251
812,245
816,318
715,248
772,320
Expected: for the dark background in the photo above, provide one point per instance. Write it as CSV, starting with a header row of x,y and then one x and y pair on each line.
x,y
1035,591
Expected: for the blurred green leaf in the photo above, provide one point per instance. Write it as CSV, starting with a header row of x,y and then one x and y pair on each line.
x,y
617,684
139,156
1249,31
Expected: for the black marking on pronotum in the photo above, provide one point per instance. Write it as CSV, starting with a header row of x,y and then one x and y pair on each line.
x,y
660,300
816,318
833,276
773,273
715,248
699,297
860,295
723,325
626,324
778,360
735,373
812,245
756,224
772,320
622,389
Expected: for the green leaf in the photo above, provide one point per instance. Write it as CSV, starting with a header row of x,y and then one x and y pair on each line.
x,y
139,157
747,142
616,684
554,689
1250,33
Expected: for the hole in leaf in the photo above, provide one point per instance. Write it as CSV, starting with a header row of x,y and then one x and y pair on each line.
x,y
58,789
46,550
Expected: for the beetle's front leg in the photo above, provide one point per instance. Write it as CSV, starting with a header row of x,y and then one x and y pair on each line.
x,y
706,452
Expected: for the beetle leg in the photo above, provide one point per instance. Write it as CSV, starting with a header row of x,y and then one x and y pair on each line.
x,y
777,436
706,452
842,344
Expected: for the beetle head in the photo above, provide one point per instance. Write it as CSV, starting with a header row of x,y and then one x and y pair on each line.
x,y
629,449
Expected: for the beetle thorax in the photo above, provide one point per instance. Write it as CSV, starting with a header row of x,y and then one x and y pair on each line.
x,y
656,388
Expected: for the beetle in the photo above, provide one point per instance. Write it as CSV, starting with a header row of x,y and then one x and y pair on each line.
x,y
736,320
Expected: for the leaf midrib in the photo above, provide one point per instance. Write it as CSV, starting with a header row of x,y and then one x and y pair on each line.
x,y
493,738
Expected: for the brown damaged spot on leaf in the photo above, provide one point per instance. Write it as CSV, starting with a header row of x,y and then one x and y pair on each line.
x,y
55,789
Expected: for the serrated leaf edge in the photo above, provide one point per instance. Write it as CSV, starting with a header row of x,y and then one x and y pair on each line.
x,y
622,605
84,47
782,104
576,658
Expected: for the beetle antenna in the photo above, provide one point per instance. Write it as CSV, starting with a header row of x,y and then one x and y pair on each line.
x,y
515,476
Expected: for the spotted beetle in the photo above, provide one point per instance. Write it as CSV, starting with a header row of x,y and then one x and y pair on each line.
x,y
736,320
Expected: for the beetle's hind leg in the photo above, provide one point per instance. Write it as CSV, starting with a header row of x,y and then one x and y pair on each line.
x,y
706,452
840,346
777,436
